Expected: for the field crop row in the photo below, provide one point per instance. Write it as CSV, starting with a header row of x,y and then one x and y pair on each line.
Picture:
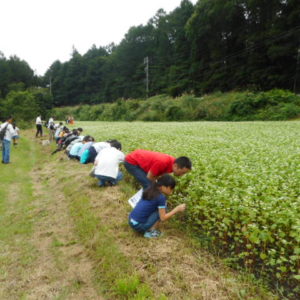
x,y
243,195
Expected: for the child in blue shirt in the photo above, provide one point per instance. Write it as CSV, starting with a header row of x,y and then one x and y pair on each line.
x,y
151,209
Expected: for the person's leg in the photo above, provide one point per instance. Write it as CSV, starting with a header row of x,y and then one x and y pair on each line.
x,y
41,128
3,146
139,174
102,180
37,130
152,220
6,149
119,177
50,135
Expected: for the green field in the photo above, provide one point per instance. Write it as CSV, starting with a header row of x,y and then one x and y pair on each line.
x,y
243,194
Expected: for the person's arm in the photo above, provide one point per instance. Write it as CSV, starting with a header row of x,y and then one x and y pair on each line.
x,y
121,157
158,168
150,176
11,130
163,215
96,159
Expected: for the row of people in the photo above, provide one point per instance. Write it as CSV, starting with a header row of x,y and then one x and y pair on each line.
x,y
150,169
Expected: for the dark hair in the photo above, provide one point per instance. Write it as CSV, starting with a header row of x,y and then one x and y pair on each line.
x,y
80,129
75,132
86,138
153,190
111,141
183,162
61,123
116,144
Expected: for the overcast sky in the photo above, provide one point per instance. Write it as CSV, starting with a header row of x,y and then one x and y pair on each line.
x,y
42,31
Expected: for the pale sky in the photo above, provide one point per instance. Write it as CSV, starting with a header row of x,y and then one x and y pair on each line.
x,y
42,31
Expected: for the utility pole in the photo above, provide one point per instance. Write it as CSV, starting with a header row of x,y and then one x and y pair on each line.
x,y
146,62
50,86
297,68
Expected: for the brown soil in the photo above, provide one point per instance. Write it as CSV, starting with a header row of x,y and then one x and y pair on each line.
x,y
62,266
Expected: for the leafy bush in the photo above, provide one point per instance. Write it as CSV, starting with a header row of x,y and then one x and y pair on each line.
x,y
22,105
174,113
234,106
271,105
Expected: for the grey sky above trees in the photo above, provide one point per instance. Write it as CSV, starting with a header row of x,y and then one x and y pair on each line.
x,y
41,32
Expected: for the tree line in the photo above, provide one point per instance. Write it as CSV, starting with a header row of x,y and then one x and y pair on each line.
x,y
215,45
21,93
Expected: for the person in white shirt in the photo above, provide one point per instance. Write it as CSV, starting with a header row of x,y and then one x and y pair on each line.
x,y
51,122
51,127
16,135
93,151
107,164
9,133
58,130
39,127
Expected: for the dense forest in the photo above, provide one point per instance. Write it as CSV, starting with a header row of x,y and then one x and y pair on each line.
x,y
215,45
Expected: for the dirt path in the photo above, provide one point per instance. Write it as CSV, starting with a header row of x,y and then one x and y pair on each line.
x,y
40,256
62,268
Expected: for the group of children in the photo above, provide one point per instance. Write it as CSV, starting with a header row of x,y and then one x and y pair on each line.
x,y
151,170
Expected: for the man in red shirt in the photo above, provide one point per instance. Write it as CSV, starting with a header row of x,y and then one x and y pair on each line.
x,y
146,165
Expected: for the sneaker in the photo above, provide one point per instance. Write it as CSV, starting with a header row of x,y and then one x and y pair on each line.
x,y
152,234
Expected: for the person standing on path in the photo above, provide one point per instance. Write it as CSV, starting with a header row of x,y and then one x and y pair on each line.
x,y
39,127
51,127
9,133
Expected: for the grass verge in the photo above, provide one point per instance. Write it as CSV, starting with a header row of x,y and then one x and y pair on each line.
x,y
114,273
17,219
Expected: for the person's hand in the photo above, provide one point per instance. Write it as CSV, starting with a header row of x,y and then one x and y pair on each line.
x,y
181,207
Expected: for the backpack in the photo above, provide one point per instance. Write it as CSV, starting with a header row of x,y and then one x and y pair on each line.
x,y
2,132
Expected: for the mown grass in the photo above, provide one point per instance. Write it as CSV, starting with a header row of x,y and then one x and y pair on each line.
x,y
114,274
16,216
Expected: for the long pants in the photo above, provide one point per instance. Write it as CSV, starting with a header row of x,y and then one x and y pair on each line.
x,y
39,130
139,174
106,179
5,151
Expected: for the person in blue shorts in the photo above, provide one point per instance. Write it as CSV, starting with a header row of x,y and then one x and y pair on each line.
x,y
151,209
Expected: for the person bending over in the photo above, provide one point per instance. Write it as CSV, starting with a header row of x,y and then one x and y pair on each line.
x,y
107,164
146,165
151,209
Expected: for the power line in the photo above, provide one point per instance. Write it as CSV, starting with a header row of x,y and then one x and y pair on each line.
x,y
297,68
